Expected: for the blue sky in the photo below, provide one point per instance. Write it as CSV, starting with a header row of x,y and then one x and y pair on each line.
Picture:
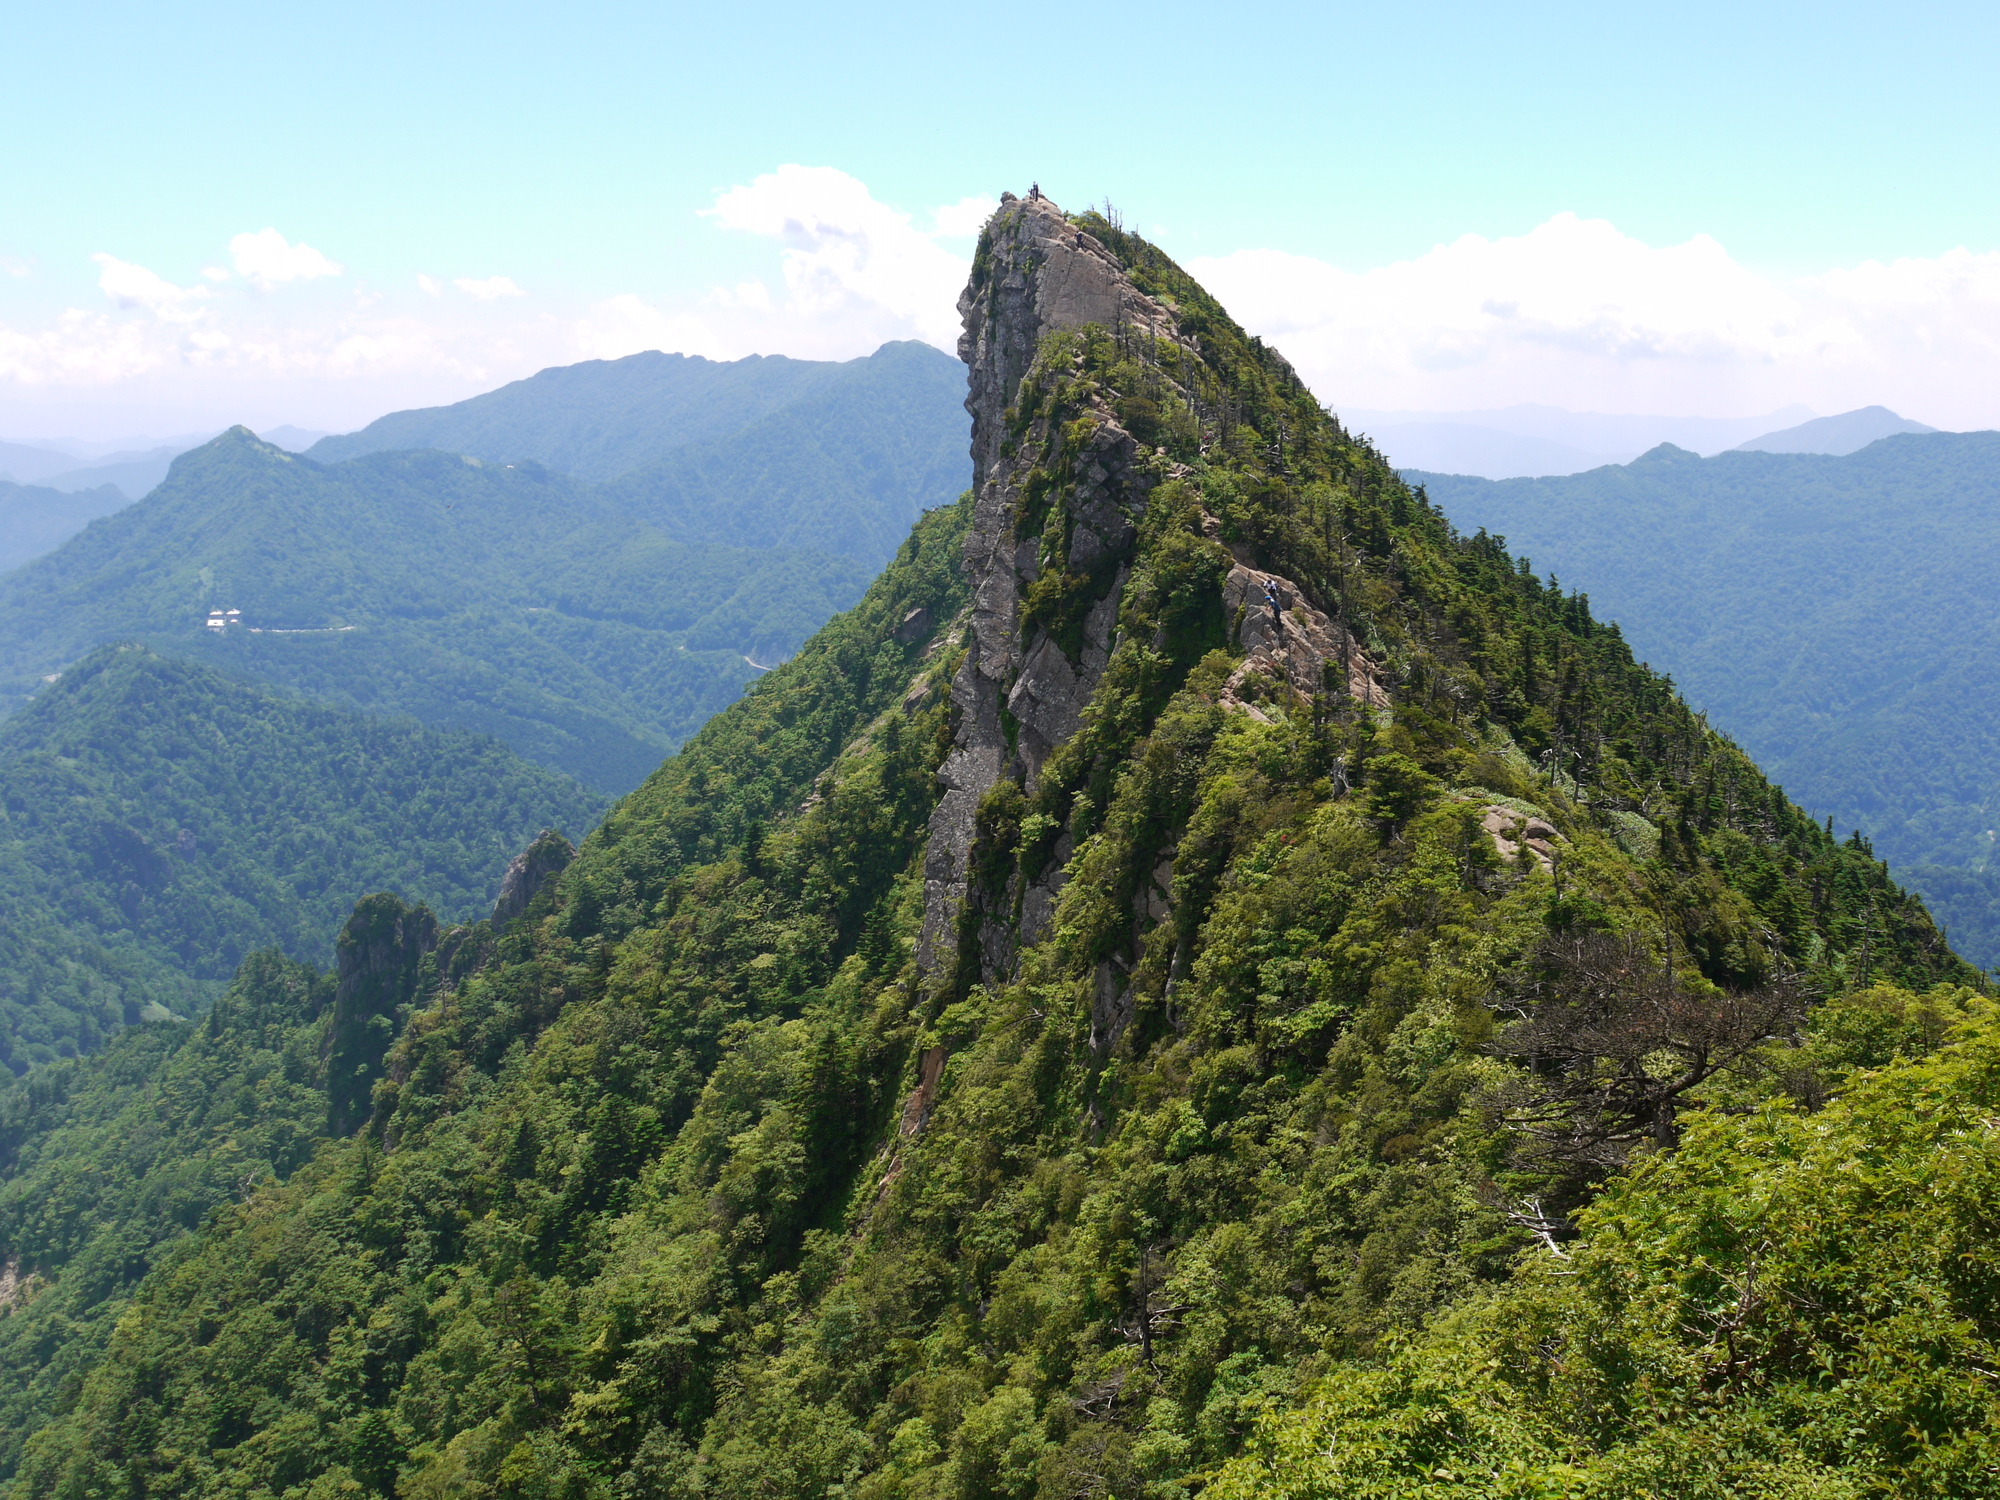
x,y
577,154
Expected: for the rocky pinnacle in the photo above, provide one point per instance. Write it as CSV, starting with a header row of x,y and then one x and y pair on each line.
x,y
1036,274
1020,692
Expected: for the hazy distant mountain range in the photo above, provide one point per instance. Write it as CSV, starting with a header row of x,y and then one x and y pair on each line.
x,y
765,452
1847,433
504,599
1526,441
133,472
591,626
790,452
159,818
35,519
604,418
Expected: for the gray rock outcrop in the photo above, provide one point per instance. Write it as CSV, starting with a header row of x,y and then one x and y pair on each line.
x,y
549,855
1036,273
1286,641
377,957
1061,507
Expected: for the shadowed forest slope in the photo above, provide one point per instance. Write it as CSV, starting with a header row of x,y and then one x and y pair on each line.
x,y
158,821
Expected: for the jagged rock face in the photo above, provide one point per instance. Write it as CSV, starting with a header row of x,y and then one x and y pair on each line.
x,y
528,872
377,956
1020,695
1057,507
1288,642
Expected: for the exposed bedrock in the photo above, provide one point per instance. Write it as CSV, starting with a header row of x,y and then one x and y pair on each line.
x,y
1020,696
1066,496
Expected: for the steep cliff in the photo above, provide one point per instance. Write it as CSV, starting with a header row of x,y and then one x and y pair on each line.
x,y
1060,490
375,976
1020,692
1197,924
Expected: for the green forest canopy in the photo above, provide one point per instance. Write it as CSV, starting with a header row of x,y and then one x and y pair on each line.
x,y
504,600
691,1183
159,821
1832,614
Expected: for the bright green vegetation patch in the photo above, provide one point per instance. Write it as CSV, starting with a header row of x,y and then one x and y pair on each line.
x,y
159,821
1793,1303
691,1183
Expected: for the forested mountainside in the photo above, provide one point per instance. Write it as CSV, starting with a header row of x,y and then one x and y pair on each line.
x,y
504,600
844,467
597,419
1160,997
1833,615
764,451
35,519
159,821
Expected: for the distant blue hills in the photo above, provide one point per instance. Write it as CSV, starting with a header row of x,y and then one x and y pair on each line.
x,y
1530,441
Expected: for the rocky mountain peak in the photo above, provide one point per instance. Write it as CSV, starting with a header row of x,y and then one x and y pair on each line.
x,y
1069,364
1056,507
1036,272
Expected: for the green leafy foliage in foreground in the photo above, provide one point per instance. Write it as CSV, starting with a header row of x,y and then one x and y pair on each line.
x,y
1793,1303
158,821
692,1184
1831,614
507,601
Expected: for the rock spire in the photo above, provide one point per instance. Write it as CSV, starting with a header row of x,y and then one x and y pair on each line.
x,y
1020,694
1061,509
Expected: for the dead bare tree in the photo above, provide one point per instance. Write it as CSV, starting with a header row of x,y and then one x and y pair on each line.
x,y
1610,1043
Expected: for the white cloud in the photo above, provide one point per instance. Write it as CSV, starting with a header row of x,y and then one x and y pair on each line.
x,y
1575,313
1572,313
491,289
79,348
227,339
851,274
965,217
266,258
847,255
134,286
15,265
855,274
